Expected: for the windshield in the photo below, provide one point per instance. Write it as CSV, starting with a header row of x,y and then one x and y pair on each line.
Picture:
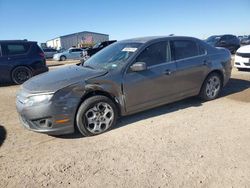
x,y
112,56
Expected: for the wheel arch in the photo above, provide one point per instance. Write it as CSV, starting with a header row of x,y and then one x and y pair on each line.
x,y
92,93
217,71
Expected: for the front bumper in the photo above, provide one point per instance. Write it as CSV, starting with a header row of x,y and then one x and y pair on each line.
x,y
51,118
242,62
56,58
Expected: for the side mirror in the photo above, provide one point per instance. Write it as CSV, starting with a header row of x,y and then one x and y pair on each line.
x,y
70,51
138,66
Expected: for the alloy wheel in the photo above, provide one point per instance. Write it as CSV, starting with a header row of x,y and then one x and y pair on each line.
x,y
213,86
99,118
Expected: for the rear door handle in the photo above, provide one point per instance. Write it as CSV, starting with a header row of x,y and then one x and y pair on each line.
x,y
205,62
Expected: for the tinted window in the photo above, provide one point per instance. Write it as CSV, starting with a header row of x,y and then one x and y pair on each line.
x,y
76,50
38,49
202,50
15,49
182,49
155,54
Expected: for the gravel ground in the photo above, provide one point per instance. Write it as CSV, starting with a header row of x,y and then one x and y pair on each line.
x,y
185,144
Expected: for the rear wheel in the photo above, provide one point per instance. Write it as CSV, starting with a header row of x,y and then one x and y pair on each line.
x,y
96,115
21,74
211,87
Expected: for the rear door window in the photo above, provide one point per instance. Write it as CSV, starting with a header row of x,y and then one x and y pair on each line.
x,y
155,54
15,49
182,49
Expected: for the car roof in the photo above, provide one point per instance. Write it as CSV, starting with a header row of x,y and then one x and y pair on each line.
x,y
152,38
14,41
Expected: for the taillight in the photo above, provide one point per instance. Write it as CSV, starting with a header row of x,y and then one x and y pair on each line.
x,y
42,55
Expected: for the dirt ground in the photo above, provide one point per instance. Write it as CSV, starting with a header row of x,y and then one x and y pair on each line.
x,y
185,144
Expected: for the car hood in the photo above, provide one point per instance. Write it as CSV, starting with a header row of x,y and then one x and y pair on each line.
x,y
59,78
244,49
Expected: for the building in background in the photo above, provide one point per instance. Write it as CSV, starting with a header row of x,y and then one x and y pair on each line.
x,y
80,39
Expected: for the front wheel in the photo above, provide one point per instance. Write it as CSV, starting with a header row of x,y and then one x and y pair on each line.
x,y
211,87
96,115
63,58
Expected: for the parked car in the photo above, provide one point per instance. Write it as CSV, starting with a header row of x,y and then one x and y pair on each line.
x,y
20,60
126,77
99,46
245,40
231,42
242,58
49,52
71,53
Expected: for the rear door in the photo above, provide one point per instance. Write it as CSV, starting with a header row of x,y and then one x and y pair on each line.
x,y
192,66
155,85
14,54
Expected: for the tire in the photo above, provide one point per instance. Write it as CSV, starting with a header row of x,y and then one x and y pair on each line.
x,y
211,87
21,74
63,58
90,120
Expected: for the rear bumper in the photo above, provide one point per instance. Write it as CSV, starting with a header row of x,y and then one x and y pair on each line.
x,y
40,70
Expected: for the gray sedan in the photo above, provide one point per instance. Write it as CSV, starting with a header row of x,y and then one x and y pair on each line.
x,y
126,77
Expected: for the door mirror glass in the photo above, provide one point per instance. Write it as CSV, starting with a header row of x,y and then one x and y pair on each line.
x,y
138,66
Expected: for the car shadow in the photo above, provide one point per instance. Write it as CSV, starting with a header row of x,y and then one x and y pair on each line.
x,y
55,65
3,134
234,86
6,84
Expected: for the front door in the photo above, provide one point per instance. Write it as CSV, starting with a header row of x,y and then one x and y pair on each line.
x,y
155,85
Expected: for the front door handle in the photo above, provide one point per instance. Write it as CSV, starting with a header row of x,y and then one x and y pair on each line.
x,y
167,72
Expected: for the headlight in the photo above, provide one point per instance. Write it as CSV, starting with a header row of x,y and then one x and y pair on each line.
x,y
35,99
55,55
